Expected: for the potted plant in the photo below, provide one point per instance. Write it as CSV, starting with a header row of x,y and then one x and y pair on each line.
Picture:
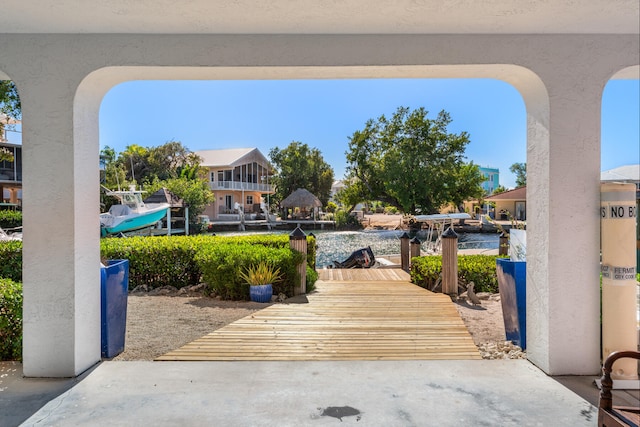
x,y
260,278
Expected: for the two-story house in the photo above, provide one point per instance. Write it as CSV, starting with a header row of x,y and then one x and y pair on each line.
x,y
10,171
238,177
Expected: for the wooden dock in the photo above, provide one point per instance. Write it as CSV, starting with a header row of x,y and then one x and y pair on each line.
x,y
371,314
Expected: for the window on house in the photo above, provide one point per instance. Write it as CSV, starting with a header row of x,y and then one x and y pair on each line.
x,y
220,176
250,200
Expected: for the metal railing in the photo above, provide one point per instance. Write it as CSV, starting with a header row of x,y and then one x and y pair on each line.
x,y
234,185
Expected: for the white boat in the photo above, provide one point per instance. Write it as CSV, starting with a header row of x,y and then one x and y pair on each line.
x,y
131,213
4,236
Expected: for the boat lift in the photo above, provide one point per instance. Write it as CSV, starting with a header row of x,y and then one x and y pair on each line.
x,y
436,225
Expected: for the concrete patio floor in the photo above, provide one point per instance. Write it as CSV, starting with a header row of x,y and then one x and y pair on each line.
x,y
365,393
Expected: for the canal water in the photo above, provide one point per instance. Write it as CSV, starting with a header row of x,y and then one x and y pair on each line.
x,y
338,245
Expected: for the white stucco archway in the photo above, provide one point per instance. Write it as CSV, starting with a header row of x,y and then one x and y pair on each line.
x,y
62,79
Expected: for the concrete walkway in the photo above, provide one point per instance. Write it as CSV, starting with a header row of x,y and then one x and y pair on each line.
x,y
361,393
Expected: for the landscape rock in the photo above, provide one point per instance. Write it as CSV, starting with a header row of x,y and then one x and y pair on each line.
x,y
501,350
164,290
141,289
192,290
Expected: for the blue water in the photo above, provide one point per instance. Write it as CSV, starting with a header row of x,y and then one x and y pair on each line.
x,y
338,245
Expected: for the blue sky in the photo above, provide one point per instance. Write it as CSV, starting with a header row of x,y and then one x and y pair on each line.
x,y
325,113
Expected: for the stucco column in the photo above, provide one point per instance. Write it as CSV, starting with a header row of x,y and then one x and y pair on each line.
x,y
61,233
563,184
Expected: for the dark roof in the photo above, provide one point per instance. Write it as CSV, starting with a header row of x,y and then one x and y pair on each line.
x,y
301,198
517,194
165,196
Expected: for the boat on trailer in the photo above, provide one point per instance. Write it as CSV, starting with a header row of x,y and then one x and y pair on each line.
x,y
131,213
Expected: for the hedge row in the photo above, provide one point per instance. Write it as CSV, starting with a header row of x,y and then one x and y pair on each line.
x,y
10,219
155,261
479,269
11,260
10,320
181,260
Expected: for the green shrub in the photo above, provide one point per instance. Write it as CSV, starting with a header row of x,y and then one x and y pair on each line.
x,y
345,220
268,240
312,277
10,320
390,210
161,261
155,261
11,260
480,269
10,219
222,263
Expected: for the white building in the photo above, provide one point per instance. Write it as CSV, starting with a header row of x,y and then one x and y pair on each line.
x,y
559,55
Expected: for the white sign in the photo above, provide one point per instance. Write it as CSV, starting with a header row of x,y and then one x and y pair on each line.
x,y
618,273
618,212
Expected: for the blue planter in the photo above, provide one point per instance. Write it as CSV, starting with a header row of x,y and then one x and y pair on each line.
x,y
261,293
512,283
114,288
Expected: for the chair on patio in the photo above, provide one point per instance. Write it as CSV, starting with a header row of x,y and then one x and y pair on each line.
x,y
608,414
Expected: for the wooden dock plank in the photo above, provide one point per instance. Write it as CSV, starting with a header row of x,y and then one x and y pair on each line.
x,y
356,314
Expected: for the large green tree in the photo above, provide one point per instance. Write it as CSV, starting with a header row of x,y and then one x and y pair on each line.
x,y
520,170
412,162
9,99
170,165
299,166
9,102
144,164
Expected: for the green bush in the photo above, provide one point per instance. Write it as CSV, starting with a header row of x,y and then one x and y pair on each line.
x,y
345,220
480,269
268,240
312,277
155,261
161,261
390,210
11,260
222,263
10,320
10,219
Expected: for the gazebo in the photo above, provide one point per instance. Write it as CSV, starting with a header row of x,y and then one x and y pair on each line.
x,y
303,199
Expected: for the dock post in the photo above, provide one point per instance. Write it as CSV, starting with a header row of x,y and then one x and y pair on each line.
x,y
404,251
298,242
415,248
503,248
450,262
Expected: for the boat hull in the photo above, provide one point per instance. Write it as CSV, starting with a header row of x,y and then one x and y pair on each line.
x,y
135,221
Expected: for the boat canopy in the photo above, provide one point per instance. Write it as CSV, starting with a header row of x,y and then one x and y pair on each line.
x,y
441,217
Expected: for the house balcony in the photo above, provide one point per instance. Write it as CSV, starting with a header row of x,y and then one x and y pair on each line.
x,y
239,186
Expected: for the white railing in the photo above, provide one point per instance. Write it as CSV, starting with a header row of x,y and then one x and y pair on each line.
x,y
234,185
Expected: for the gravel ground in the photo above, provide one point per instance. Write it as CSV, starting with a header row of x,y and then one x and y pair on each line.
x,y
157,324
